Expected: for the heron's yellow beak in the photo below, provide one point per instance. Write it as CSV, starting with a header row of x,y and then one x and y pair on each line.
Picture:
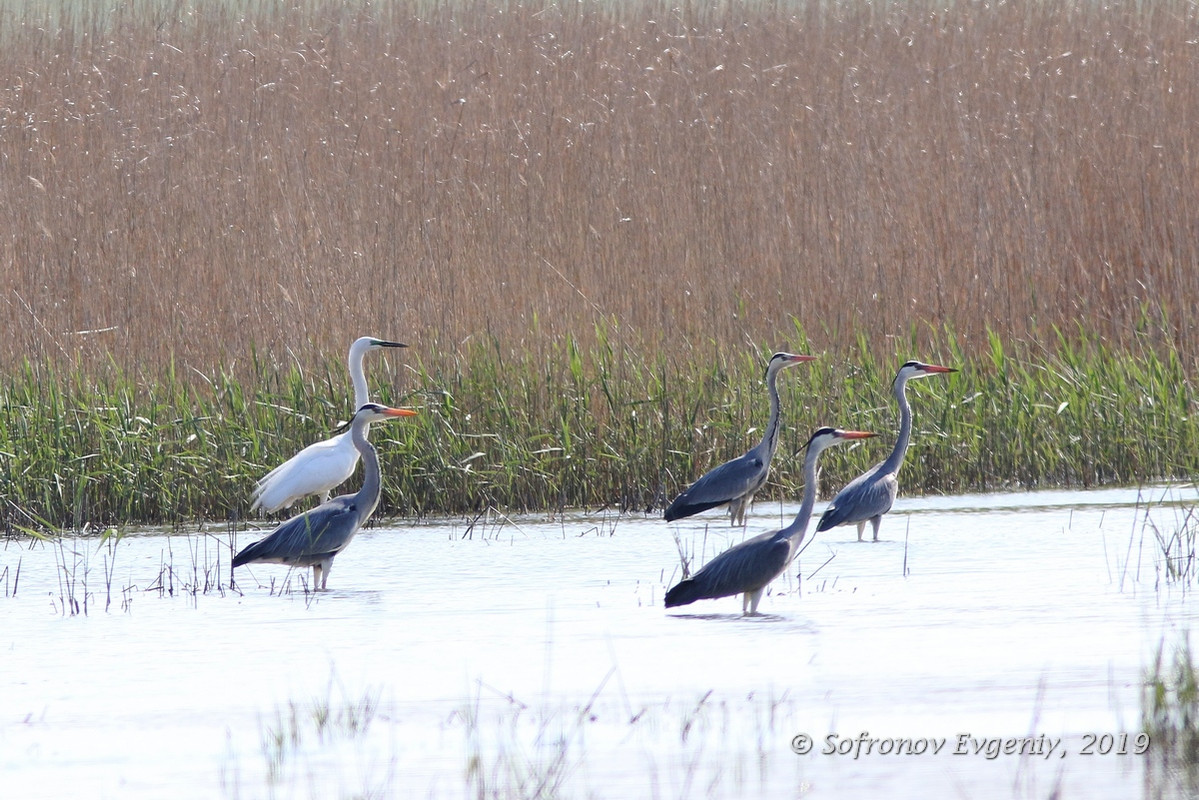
x,y
399,412
857,434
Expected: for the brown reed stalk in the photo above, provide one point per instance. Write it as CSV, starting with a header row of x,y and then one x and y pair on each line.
x,y
194,181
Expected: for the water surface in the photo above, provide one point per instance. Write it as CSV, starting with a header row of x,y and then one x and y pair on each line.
x,y
449,659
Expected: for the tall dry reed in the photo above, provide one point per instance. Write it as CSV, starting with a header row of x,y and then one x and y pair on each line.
x,y
190,181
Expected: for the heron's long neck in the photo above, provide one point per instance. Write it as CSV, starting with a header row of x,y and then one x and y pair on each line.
x,y
894,460
770,439
359,378
368,495
811,476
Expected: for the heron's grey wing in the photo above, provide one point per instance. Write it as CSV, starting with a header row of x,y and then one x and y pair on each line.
x,y
307,538
746,567
865,497
727,482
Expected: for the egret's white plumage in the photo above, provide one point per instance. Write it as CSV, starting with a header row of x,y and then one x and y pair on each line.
x,y
321,467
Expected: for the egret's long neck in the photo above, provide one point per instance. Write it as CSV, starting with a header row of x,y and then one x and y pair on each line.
x,y
358,377
368,495
770,439
811,476
894,460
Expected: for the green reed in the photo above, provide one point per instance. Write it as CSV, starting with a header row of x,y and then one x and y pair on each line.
x,y
602,426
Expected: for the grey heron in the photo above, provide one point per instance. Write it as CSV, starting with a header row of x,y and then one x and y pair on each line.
x,y
313,538
735,482
750,566
323,466
870,495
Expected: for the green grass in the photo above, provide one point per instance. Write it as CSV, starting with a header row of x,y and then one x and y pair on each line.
x,y
599,427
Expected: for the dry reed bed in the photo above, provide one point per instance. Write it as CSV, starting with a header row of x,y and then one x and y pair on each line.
x,y
592,223
188,182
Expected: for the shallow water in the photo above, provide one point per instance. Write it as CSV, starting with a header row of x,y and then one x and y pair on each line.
x,y
452,660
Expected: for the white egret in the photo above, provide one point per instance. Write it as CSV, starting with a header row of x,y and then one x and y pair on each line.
x,y
323,466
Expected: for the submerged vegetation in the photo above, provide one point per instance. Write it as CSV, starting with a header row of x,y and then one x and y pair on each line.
x,y
592,223
1170,711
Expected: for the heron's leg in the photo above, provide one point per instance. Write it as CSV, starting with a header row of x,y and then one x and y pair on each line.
x,y
746,502
752,598
326,568
876,521
861,528
737,511
316,577
325,495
